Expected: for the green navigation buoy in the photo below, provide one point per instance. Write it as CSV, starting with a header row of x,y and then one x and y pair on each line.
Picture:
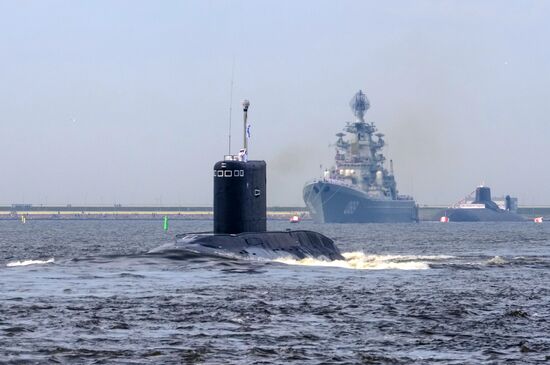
x,y
165,223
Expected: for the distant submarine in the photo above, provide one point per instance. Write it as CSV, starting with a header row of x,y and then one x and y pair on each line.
x,y
482,209
240,219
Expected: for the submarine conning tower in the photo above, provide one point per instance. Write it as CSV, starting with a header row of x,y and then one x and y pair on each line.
x,y
240,191
483,194
239,196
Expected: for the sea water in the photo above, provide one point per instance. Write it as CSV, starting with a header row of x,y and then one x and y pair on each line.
x,y
86,292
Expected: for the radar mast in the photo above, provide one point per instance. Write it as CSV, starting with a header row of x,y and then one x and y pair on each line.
x,y
359,105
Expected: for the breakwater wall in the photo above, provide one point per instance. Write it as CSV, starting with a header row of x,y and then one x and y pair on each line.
x,y
426,213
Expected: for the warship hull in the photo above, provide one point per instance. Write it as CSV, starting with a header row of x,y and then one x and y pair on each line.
x,y
334,203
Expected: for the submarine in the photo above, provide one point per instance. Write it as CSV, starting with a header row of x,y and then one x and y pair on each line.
x,y
482,209
240,219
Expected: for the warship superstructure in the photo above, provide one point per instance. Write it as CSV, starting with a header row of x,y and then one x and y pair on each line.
x,y
358,188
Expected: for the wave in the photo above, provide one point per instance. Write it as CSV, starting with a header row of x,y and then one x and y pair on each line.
x,y
30,262
360,261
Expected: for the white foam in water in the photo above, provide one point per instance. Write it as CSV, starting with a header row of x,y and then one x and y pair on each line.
x,y
497,260
30,262
360,261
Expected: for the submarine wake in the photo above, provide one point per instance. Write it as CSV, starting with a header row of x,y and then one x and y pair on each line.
x,y
359,260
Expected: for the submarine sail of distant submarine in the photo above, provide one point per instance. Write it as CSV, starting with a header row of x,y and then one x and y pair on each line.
x,y
240,219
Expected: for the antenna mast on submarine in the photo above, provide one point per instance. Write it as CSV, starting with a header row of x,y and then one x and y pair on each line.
x,y
246,104
231,105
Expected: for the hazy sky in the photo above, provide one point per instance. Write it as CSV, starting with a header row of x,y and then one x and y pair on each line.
x,y
127,102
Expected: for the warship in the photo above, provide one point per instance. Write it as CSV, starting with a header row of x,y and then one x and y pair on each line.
x,y
358,189
240,219
482,209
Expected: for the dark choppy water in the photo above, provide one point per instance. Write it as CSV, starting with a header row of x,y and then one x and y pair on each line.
x,y
424,293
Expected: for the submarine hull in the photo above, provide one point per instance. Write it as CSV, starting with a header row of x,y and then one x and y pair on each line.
x,y
483,209
333,203
240,218
482,215
253,245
